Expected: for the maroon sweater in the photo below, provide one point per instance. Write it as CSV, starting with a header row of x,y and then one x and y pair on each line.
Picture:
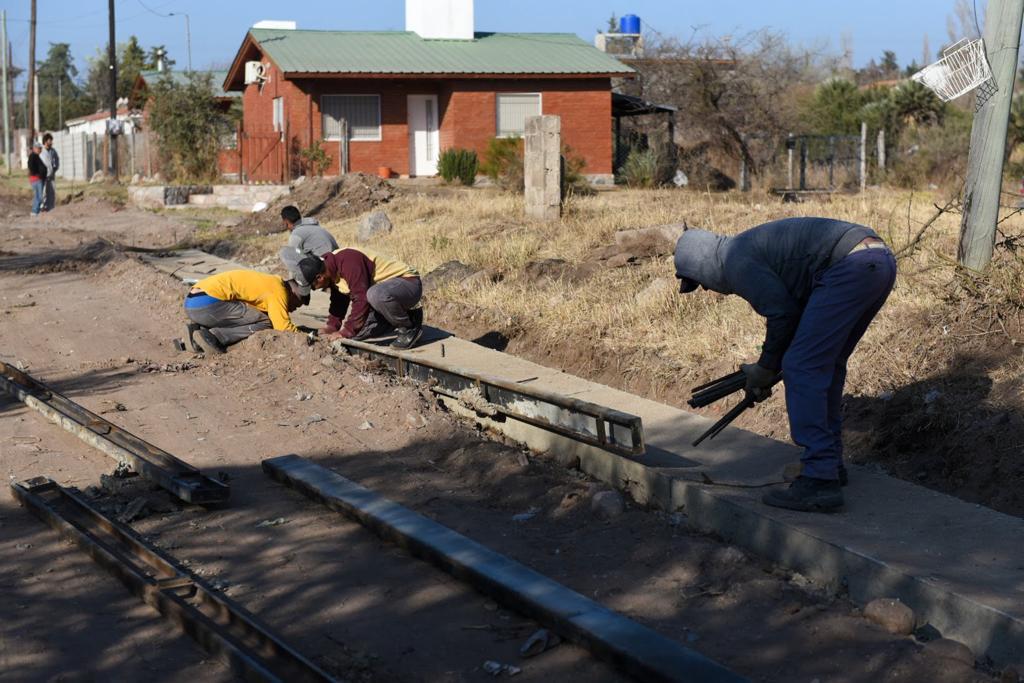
x,y
352,266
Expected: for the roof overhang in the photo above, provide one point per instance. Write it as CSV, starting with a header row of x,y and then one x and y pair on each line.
x,y
291,75
628,105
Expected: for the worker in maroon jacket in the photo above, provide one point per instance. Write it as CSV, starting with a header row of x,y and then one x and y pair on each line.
x,y
375,287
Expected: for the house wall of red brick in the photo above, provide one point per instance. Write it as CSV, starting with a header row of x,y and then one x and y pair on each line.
x,y
468,115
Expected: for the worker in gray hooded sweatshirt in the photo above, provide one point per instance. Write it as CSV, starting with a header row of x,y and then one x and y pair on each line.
x,y
819,282
307,238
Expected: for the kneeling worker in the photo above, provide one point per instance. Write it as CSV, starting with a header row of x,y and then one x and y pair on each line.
x,y
228,307
307,238
819,282
373,286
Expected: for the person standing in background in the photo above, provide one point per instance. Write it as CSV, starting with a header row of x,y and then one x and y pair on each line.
x,y
36,177
52,160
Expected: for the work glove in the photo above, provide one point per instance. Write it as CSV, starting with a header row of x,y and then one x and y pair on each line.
x,y
760,380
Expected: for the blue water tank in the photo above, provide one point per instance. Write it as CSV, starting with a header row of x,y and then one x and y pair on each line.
x,y
629,24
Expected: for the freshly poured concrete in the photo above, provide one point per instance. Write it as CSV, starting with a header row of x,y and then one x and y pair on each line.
x,y
959,565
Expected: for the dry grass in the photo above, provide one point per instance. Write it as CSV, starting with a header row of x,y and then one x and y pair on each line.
x,y
485,229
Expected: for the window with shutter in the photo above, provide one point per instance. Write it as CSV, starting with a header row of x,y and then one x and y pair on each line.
x,y
361,111
513,109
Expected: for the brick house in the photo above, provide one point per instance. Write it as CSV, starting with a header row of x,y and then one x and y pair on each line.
x,y
407,95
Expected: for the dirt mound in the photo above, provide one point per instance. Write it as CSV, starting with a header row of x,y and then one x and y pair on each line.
x,y
326,199
86,256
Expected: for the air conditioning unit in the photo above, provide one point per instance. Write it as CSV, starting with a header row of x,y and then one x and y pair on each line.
x,y
255,72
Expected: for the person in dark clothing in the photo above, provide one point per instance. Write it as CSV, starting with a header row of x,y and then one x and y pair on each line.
x,y
37,173
819,283
373,285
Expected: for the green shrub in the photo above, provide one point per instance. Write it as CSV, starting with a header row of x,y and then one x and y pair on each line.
x,y
458,164
315,158
573,180
188,122
503,163
643,168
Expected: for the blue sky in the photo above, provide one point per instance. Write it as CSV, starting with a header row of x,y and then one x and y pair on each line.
x,y
218,26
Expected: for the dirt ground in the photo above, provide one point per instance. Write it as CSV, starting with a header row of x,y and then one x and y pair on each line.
x,y
96,324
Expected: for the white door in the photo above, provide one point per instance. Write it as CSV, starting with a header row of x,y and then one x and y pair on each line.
x,y
423,136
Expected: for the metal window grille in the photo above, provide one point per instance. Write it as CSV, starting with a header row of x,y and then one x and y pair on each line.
x,y
361,111
513,110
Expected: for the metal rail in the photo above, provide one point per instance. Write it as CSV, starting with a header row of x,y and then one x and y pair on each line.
x,y
622,642
157,465
218,624
582,421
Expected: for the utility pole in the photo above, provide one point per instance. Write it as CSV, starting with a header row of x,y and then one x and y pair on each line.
x,y
30,96
7,119
112,123
988,137
188,35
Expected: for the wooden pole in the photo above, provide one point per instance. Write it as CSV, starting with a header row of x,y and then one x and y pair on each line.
x,y
344,147
31,94
112,59
7,120
988,137
881,150
863,155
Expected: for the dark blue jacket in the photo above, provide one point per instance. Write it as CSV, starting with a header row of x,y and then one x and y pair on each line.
x,y
772,266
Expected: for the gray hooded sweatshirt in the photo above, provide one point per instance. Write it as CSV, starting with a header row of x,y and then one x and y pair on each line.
x,y
773,266
309,239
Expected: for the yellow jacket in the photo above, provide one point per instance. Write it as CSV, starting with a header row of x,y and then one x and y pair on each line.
x,y
266,292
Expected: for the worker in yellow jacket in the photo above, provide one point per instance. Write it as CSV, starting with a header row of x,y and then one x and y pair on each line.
x,y
228,307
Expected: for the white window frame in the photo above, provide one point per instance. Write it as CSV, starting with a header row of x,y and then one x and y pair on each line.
x,y
497,111
278,115
380,119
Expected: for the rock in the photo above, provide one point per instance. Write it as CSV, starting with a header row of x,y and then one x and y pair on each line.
x,y
314,418
727,557
620,260
476,281
658,240
415,421
259,206
891,614
365,426
327,361
946,648
98,177
134,510
607,505
124,486
373,224
231,222
660,288
548,268
136,179
449,272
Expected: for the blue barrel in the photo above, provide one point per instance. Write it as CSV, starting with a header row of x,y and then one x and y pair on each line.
x,y
629,24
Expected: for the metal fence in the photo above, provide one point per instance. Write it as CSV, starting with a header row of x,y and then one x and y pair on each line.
x,y
83,154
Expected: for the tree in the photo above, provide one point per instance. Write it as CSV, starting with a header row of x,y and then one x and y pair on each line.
x,y
738,95
132,59
60,96
188,124
917,105
889,65
836,107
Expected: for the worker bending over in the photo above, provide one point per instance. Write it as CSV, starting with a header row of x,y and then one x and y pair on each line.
x,y
819,282
228,307
368,287
307,238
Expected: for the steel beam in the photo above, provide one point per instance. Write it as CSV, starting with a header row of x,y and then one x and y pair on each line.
x,y
218,624
583,421
625,644
159,466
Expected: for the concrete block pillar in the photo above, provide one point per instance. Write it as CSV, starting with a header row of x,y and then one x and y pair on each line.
x,y
542,167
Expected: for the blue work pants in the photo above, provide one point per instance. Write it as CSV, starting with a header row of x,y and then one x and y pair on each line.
x,y
845,298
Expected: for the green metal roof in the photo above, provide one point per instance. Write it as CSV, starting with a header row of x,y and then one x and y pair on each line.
x,y
404,52
181,78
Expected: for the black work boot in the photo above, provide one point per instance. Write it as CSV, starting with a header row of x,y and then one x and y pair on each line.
x,y
416,317
407,338
211,342
807,495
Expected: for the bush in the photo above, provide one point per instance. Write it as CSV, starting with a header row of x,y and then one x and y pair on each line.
x,y
503,163
315,158
458,164
189,123
643,168
573,180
